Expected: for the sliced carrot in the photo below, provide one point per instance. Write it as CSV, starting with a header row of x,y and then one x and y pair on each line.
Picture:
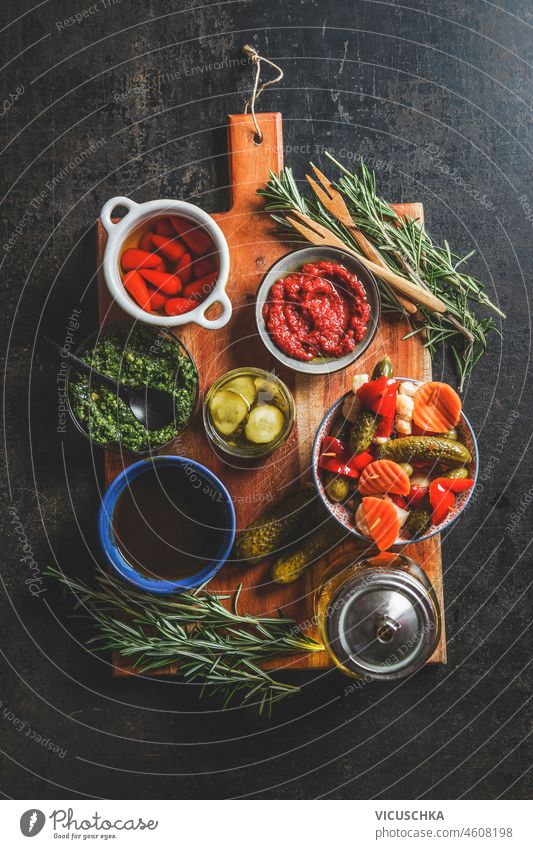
x,y
437,407
382,477
382,520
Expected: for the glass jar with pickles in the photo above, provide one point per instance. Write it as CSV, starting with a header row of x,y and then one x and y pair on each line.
x,y
248,412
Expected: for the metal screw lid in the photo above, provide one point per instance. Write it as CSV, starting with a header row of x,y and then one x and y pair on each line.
x,y
383,621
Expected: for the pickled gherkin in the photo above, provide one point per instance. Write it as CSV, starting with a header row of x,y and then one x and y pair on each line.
x,y
423,449
244,386
366,424
417,522
383,369
228,410
457,473
274,527
290,566
264,424
363,431
337,488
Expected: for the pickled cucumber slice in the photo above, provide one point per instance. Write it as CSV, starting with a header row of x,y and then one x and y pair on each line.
x,y
244,386
267,391
228,409
264,424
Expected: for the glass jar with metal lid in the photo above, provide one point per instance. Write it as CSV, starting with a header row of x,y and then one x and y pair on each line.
x,y
378,616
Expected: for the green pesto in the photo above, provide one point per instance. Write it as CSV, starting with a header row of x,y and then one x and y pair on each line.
x,y
137,359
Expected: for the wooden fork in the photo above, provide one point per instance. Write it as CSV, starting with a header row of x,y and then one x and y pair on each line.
x,y
317,234
334,202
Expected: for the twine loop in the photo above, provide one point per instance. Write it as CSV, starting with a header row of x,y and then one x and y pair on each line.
x,y
252,53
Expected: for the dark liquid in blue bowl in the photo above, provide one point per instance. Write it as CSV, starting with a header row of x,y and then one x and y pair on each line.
x,y
170,523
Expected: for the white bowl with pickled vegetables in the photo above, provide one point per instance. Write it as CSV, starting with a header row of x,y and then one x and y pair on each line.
x,y
248,412
382,468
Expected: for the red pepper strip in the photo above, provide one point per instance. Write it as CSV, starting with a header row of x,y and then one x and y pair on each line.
x,y
379,396
334,458
455,484
331,464
398,500
441,500
386,423
417,495
331,443
361,461
356,461
342,462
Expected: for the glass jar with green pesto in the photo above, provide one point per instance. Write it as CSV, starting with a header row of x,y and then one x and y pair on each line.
x,y
138,357
248,412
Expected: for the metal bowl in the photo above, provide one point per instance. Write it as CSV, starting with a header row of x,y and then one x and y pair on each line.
x,y
345,517
290,263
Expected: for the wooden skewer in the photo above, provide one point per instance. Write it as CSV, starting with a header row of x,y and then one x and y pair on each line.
x,y
333,201
317,234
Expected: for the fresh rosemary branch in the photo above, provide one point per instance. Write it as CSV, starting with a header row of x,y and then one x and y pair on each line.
x,y
407,249
213,644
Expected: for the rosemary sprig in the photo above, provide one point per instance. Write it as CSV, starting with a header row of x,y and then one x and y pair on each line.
x,y
407,249
213,644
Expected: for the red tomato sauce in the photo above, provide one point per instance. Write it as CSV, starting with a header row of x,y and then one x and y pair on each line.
x,y
320,311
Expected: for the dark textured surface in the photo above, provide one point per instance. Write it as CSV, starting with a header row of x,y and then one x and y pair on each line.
x,y
437,97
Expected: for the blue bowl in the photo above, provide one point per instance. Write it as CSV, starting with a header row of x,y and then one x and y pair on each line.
x,y
116,559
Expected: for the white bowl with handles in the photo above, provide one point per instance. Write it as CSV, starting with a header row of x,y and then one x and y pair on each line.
x,y
138,214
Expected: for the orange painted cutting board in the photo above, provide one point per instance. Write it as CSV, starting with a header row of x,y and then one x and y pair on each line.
x,y
254,246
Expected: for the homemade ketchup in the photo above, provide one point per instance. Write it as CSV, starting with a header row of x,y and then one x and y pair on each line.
x,y
320,311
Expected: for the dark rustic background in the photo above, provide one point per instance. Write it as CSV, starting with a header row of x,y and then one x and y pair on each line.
x,y
132,100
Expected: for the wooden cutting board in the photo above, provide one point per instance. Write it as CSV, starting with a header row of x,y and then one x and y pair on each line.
x,y
254,246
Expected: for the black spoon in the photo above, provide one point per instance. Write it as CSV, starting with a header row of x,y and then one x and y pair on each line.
x,y
153,408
